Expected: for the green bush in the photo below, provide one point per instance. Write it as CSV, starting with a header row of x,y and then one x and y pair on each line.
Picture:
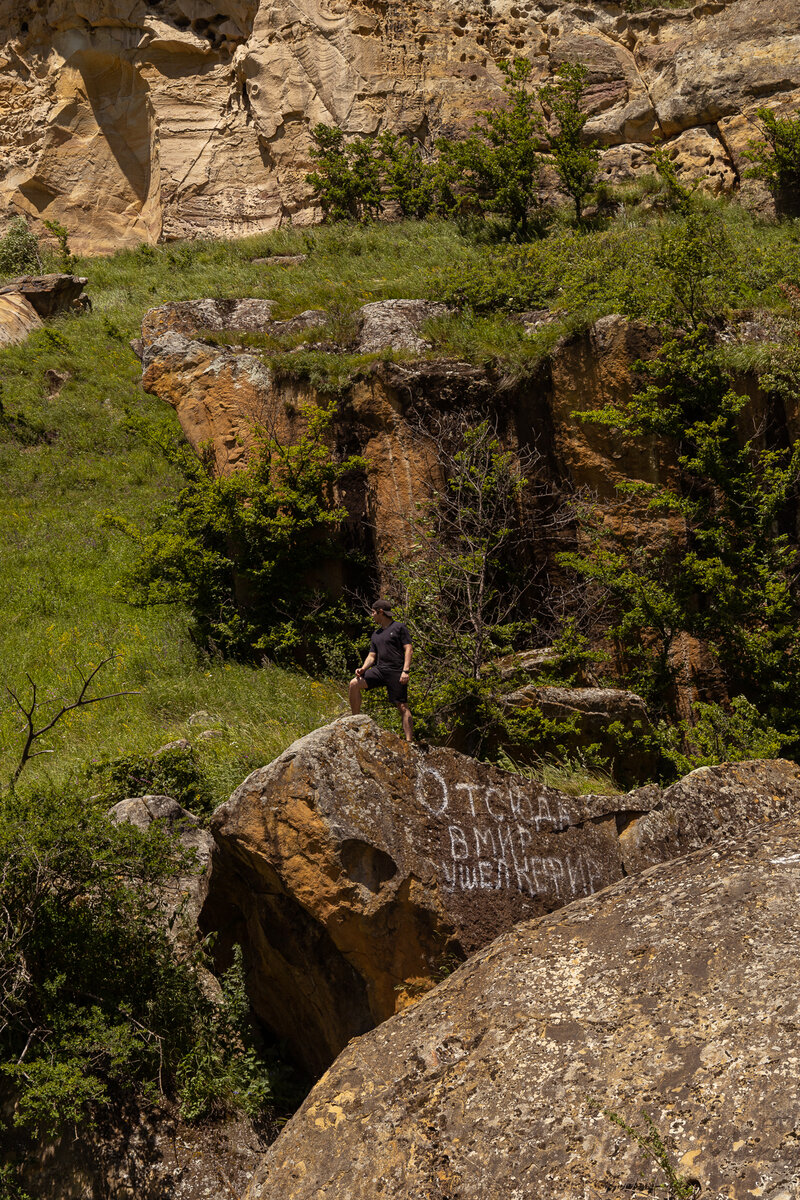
x,y
96,1003
19,250
776,159
576,162
499,163
718,735
175,772
347,179
243,551
727,572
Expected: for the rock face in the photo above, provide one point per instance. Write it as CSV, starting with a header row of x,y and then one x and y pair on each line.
x,y
596,714
356,869
18,318
673,993
190,118
25,301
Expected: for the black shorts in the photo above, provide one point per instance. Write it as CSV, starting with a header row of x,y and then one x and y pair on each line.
x,y
379,677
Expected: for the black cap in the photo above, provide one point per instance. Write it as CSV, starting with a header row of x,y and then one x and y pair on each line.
x,y
382,606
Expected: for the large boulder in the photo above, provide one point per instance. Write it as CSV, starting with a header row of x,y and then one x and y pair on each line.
x,y
357,870
671,994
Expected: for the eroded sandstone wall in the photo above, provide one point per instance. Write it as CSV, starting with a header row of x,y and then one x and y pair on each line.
x,y
137,122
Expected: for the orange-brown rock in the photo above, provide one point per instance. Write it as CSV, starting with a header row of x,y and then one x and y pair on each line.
x,y
18,318
25,301
132,121
357,869
671,994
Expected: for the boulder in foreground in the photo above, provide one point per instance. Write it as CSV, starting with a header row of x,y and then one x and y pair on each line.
x,y
673,993
357,870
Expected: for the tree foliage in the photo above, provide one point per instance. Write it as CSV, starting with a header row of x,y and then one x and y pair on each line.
x,y
725,569
776,158
576,162
19,249
500,162
461,585
96,1002
245,552
347,178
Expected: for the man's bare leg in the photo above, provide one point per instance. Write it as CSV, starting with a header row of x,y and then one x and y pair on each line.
x,y
408,721
357,689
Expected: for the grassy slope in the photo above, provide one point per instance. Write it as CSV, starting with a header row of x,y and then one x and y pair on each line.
x,y
59,565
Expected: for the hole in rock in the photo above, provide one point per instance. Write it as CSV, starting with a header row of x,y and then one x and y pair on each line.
x,y
367,864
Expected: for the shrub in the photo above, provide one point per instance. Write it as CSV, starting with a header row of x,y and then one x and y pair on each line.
x,y
719,735
499,163
95,1000
66,260
411,181
776,159
19,250
729,576
175,772
347,179
242,551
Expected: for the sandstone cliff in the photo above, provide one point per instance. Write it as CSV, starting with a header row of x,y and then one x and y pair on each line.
x,y
133,121
673,993
356,869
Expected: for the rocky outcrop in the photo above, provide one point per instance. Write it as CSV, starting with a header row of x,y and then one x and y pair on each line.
x,y
357,869
672,994
18,318
132,121
183,896
26,301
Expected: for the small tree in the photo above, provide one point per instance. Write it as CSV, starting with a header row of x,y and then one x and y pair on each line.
x,y
576,162
695,255
347,180
777,158
242,551
500,162
725,569
410,181
19,249
460,584
66,259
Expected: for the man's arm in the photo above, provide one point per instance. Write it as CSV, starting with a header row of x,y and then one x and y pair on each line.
x,y
408,650
368,661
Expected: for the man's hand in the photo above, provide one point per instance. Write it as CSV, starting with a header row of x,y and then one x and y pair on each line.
x,y
359,672
404,676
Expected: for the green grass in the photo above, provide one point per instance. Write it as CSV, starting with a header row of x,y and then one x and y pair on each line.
x,y
69,455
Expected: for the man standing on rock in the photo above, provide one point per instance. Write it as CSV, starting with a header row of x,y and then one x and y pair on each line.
x,y
387,665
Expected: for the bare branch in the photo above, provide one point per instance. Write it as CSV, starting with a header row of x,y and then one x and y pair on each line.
x,y
29,713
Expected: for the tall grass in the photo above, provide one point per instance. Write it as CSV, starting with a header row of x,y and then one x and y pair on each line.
x,y
68,455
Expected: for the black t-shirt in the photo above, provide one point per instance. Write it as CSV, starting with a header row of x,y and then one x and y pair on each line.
x,y
388,646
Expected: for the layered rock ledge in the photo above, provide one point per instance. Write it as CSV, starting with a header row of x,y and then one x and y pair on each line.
x,y
132,122
357,870
673,993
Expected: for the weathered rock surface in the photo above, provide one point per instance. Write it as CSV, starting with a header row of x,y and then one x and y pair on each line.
x,y
355,869
183,896
673,993
135,122
18,318
395,325
48,294
26,301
